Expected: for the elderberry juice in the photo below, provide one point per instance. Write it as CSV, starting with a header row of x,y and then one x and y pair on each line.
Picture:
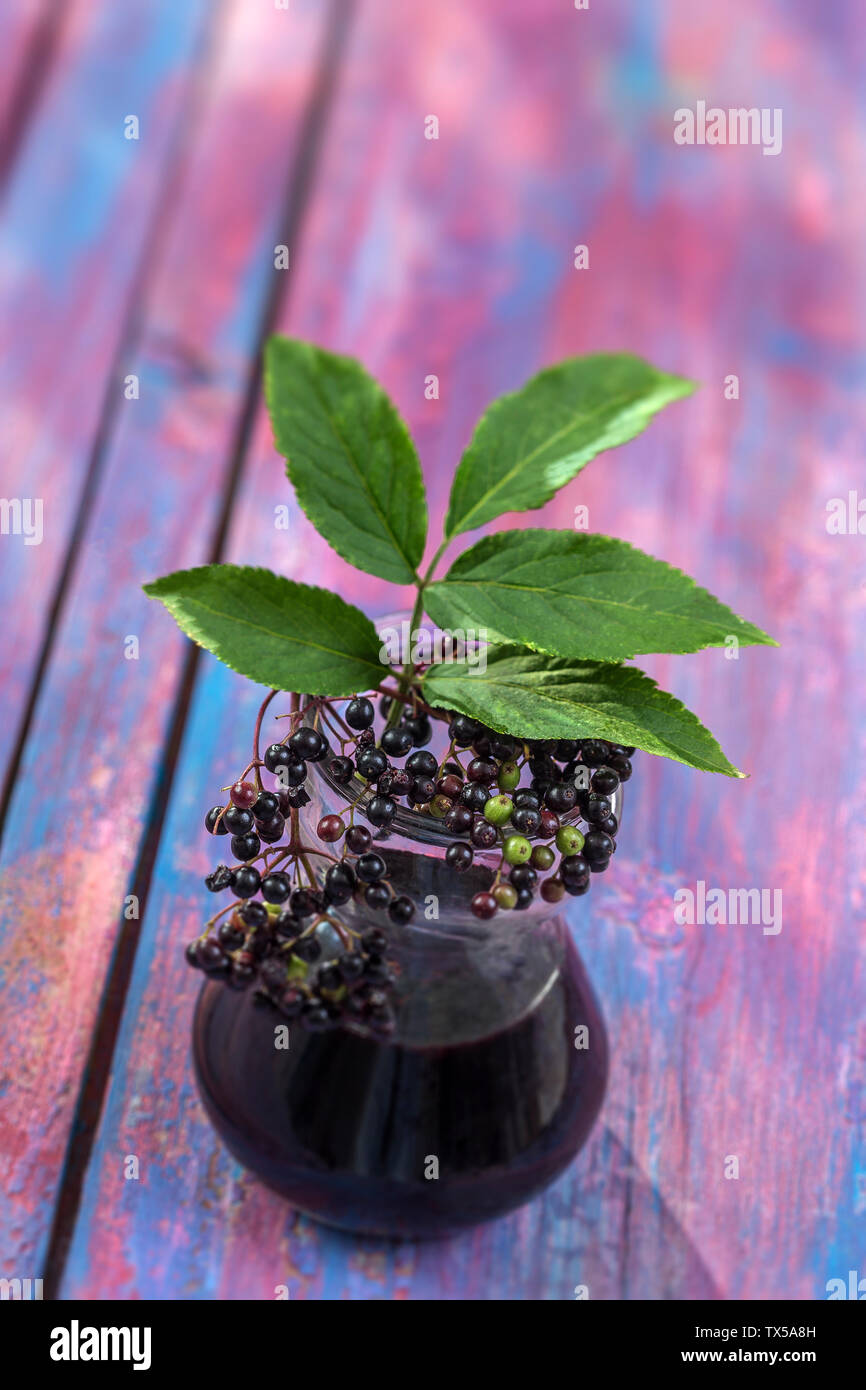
x,y
489,1081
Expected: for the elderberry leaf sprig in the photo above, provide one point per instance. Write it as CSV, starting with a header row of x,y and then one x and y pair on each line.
x,y
579,595
349,457
531,442
532,695
283,634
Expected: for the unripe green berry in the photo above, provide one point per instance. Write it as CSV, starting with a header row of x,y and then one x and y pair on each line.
x,y
516,849
498,810
440,806
508,777
569,839
505,895
543,858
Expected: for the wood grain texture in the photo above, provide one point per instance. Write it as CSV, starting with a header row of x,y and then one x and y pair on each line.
x,y
454,257
78,223
102,721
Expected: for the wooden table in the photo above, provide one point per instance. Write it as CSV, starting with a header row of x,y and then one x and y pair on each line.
x,y
139,279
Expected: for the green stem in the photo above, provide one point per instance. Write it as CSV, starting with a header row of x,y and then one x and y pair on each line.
x,y
404,680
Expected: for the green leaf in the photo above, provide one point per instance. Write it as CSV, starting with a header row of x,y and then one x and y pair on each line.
x,y
531,442
531,695
349,457
282,634
580,595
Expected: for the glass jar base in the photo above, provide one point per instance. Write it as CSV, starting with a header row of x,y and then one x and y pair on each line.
x,y
382,1138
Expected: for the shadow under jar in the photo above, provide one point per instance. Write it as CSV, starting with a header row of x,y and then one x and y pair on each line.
x,y
474,1103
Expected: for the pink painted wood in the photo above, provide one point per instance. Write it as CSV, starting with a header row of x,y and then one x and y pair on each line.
x,y
77,231
102,721
454,257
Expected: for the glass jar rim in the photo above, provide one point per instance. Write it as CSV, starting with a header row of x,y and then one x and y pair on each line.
x,y
412,824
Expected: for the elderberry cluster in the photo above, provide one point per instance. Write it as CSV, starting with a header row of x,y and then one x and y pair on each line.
x,y
526,798
544,806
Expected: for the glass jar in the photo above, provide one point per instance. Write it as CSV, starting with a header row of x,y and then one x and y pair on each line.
x,y
485,1091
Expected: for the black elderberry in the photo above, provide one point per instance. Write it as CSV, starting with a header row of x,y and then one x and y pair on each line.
x,y
475,795
377,896
292,1001
307,949
191,953
243,972
341,770
339,883
350,966
597,845
503,748
258,944
381,810
303,903
610,824
523,876
278,755
308,745
624,748
254,914
565,750
230,935
526,821
594,752
359,713
422,764
597,809
328,976
272,975
276,887
483,835
524,798
375,941
422,790
215,821
524,899
246,881
370,868
395,782
621,766
573,868
266,807
358,839
459,820
238,821
396,742
401,910
577,890
365,739
246,846
604,781
459,856
371,763
211,957
419,729
220,878
561,797
271,831
463,730
482,770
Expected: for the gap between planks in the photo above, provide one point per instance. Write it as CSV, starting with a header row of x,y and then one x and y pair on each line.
x,y
100,1054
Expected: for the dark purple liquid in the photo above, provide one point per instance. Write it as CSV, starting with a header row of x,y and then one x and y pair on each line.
x,y
344,1125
